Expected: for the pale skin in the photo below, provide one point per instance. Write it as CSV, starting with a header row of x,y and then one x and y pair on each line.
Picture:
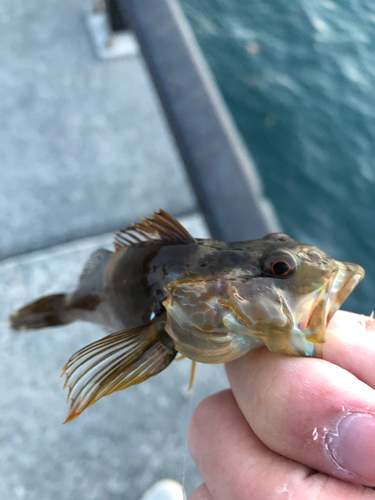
x,y
293,428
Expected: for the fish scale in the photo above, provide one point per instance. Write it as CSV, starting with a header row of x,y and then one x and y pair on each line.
x,y
162,291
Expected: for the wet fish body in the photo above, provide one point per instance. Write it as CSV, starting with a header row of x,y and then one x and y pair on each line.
x,y
164,292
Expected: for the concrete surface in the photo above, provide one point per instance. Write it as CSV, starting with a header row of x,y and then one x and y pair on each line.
x,y
117,448
83,143
84,150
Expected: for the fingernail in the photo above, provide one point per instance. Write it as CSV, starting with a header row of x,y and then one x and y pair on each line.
x,y
352,446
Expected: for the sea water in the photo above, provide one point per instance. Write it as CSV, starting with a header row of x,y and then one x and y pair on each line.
x,y
299,80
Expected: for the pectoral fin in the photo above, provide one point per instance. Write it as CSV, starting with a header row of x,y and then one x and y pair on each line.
x,y
116,362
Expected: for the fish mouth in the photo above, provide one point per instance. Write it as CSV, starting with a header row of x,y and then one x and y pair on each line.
x,y
330,298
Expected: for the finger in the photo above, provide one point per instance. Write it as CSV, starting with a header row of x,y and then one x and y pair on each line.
x,y
350,343
310,411
201,493
236,465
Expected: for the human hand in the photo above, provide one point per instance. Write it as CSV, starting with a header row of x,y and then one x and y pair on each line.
x,y
293,428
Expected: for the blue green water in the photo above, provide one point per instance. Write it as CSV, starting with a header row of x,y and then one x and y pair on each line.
x,y
299,80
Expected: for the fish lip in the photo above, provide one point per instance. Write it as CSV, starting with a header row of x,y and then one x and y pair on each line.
x,y
346,279
343,281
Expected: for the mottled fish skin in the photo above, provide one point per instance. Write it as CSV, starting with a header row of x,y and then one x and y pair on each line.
x,y
244,304
214,301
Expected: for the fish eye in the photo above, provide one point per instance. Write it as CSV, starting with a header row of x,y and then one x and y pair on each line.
x,y
280,264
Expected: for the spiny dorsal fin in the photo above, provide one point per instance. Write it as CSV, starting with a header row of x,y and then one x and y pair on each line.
x,y
93,262
162,227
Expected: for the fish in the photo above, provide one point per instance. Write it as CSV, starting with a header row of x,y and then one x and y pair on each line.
x,y
162,292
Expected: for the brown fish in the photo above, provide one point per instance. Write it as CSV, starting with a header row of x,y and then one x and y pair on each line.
x,y
164,291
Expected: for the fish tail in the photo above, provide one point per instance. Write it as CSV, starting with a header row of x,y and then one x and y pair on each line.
x,y
44,312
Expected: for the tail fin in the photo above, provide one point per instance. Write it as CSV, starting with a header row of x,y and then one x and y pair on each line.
x,y
44,312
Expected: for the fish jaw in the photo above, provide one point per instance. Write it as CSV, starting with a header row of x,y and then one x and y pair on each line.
x,y
347,279
330,298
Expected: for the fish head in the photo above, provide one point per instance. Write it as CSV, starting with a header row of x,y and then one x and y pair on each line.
x,y
283,298
294,293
